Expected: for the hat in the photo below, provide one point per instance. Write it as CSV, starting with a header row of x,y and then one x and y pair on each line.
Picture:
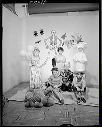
x,y
80,45
54,69
79,72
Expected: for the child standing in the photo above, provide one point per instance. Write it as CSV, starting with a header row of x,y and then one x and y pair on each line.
x,y
60,59
35,74
35,66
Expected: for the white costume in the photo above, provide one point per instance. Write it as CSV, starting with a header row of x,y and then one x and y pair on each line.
x,y
80,59
35,75
35,67
60,62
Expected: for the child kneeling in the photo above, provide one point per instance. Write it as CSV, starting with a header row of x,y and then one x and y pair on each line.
x,y
79,87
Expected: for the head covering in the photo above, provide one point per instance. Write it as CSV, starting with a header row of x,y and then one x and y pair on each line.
x,y
80,45
60,48
76,72
54,69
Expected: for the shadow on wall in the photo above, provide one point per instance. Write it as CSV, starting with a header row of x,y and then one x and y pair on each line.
x,y
16,73
91,80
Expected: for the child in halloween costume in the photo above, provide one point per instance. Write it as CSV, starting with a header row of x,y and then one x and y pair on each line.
x,y
54,82
79,72
33,60
67,78
35,75
80,59
60,59
79,87
35,94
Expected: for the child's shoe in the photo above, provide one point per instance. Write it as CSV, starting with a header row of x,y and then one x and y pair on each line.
x,y
83,99
62,101
27,104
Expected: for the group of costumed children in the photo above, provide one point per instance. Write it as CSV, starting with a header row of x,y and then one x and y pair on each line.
x,y
40,94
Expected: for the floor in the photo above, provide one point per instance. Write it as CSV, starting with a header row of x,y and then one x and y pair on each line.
x,y
15,114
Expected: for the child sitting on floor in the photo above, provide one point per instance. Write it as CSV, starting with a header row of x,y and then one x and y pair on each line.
x,y
54,82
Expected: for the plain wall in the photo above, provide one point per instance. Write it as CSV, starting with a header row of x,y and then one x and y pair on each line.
x,y
85,23
11,46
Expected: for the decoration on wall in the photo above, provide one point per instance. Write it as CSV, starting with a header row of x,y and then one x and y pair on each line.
x,y
53,42
35,65
41,31
69,43
77,37
74,41
82,45
37,42
35,33
63,36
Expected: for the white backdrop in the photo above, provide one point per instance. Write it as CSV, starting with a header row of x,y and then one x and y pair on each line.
x,y
18,34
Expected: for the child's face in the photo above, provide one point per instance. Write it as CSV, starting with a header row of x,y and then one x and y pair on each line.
x,y
60,52
53,33
79,76
55,73
36,53
80,49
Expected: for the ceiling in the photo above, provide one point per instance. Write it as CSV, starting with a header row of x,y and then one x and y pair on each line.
x,y
61,7
55,7
11,7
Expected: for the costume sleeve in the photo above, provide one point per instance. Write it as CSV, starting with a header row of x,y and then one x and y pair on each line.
x,y
61,80
84,57
50,80
74,81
